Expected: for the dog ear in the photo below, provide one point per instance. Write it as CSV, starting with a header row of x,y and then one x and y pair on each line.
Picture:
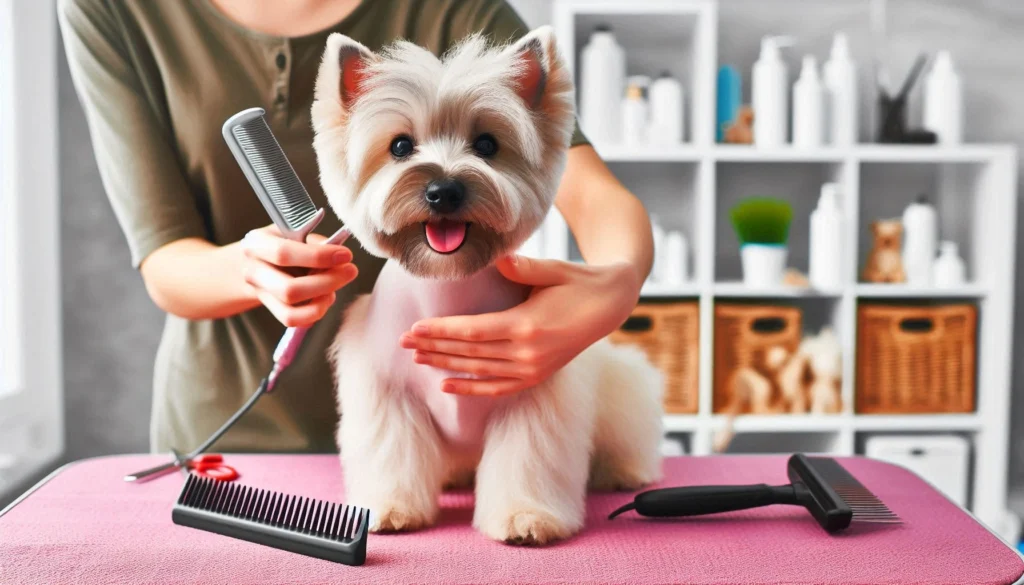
x,y
342,72
537,56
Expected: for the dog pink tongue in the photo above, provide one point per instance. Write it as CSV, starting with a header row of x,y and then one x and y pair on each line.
x,y
445,235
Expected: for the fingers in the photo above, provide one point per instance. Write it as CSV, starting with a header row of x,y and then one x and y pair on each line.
x,y
297,316
476,366
495,387
533,271
487,327
264,245
292,290
501,349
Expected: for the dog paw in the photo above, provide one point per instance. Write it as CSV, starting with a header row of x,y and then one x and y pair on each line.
x,y
528,528
398,518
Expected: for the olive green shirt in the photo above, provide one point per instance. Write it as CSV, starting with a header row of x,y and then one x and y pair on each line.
x,y
157,79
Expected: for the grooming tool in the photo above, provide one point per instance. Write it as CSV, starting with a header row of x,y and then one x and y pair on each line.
x,y
271,175
823,486
212,465
285,198
179,461
333,532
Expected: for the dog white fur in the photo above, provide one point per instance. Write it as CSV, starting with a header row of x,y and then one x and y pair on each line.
x,y
402,440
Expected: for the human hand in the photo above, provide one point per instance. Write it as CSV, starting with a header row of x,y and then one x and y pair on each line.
x,y
278,270
571,306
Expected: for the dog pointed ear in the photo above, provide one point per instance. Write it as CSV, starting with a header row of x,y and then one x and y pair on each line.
x,y
342,74
537,60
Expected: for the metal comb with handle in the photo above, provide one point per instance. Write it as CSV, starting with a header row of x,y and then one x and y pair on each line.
x,y
283,195
271,174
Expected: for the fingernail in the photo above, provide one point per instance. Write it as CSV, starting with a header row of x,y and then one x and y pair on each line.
x,y
513,259
341,257
448,387
420,329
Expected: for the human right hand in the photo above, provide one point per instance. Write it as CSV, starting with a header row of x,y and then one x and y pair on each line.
x,y
278,270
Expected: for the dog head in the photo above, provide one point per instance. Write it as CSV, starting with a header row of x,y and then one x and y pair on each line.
x,y
888,234
442,164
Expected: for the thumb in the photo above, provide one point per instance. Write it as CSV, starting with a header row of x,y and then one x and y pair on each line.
x,y
532,271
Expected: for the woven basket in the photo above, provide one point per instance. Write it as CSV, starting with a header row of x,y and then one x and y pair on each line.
x,y
743,334
669,334
916,359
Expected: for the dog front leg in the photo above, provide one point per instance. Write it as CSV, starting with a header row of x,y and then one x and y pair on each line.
x,y
391,454
532,478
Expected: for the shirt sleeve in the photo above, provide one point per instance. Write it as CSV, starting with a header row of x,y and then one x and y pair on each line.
x,y
499,21
137,159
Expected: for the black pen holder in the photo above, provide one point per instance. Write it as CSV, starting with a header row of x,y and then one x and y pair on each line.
x,y
892,123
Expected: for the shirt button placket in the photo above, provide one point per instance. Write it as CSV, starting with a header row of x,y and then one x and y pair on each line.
x,y
281,62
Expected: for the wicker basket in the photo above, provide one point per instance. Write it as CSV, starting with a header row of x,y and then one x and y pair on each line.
x,y
743,333
669,335
916,359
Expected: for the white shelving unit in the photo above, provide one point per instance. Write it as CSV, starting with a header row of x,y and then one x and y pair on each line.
x,y
692,186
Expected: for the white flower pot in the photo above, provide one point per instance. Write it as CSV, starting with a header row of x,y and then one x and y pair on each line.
x,y
764,265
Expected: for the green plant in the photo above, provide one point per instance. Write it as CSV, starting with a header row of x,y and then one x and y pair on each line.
x,y
762,220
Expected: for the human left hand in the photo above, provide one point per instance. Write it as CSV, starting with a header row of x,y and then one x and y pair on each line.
x,y
571,306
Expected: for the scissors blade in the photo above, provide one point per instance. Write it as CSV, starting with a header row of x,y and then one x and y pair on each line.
x,y
181,461
152,472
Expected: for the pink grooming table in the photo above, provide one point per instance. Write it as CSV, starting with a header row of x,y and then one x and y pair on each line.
x,y
84,525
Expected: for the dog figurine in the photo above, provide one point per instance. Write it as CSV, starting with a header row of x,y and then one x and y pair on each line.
x,y
740,130
442,166
885,264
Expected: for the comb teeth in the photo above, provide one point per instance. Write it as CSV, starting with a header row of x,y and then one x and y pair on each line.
x,y
335,532
865,505
274,171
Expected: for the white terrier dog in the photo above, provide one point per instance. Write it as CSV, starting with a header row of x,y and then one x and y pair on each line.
x,y
443,166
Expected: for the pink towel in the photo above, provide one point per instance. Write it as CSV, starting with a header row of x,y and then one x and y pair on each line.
x,y
86,526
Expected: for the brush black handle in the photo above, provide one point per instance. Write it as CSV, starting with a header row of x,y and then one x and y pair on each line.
x,y
708,499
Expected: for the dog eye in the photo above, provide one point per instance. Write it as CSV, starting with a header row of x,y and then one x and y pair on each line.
x,y
401,147
485,145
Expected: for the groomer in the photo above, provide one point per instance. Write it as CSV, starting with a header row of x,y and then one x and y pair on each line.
x,y
157,79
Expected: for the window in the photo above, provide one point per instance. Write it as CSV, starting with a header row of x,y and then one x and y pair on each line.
x,y
10,378
31,409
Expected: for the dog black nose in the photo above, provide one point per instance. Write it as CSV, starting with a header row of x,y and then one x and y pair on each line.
x,y
445,195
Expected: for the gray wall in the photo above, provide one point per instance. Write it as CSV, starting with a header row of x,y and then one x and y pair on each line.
x,y
111,328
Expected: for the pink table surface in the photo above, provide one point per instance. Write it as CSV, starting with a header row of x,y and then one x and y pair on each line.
x,y
85,525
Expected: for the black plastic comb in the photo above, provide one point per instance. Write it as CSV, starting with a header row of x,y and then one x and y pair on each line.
x,y
823,486
333,532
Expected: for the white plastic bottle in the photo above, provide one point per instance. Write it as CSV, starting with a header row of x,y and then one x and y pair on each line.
x,y
667,115
635,112
657,275
943,101
808,106
602,82
826,241
841,88
948,270
675,264
771,94
920,239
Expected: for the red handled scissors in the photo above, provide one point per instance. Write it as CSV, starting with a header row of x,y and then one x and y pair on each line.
x,y
212,465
